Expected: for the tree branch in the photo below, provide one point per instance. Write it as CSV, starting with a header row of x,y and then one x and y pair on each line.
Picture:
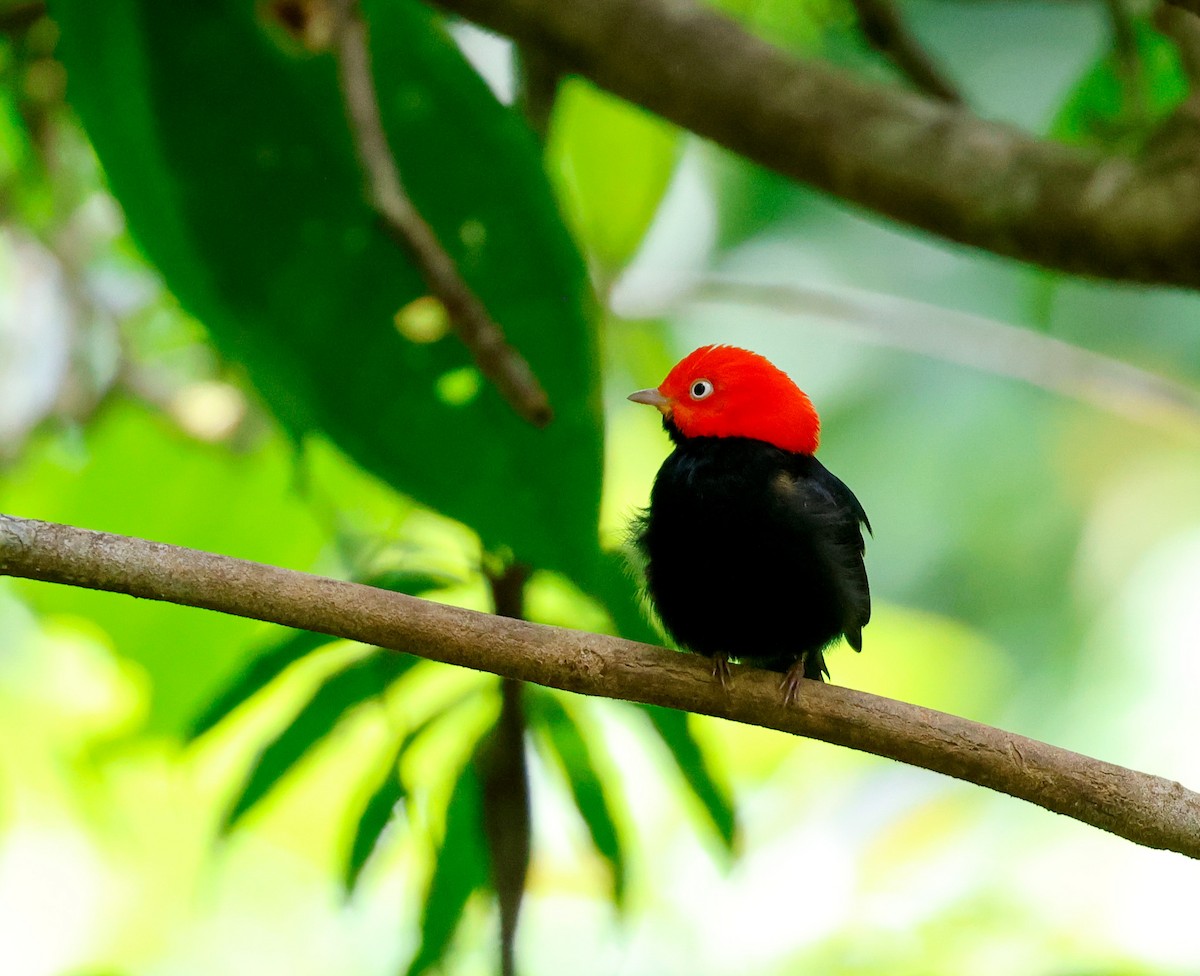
x,y
1180,20
16,18
882,26
1145,809
538,81
1192,6
917,160
980,343
503,365
504,775
1128,60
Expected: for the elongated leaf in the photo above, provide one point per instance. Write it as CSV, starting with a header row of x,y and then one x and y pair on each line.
x,y
376,816
672,729
459,871
277,658
593,797
264,669
378,812
670,725
227,147
358,683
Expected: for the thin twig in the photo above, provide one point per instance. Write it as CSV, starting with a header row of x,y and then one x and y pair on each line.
x,y
882,26
503,365
1129,59
1180,20
1191,6
538,79
978,342
17,18
1145,809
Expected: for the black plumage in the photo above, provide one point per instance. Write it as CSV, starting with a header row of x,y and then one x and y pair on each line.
x,y
755,553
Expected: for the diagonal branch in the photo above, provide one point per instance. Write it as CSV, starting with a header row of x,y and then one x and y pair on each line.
x,y
978,342
16,18
1180,20
917,160
1145,809
882,26
503,365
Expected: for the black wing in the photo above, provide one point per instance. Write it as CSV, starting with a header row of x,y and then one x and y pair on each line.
x,y
835,518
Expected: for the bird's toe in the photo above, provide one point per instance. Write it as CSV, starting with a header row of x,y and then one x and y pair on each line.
x,y
720,670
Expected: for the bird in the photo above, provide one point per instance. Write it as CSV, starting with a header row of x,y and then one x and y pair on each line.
x,y
753,549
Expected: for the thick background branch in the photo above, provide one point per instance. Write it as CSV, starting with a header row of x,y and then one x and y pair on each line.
x,y
1146,809
918,160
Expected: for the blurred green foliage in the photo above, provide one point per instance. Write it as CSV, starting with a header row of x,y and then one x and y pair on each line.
x,y
263,233
225,351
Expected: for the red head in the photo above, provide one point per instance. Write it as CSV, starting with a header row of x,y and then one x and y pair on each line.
x,y
723,391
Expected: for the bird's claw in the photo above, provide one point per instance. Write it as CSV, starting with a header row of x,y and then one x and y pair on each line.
x,y
791,683
720,670
810,667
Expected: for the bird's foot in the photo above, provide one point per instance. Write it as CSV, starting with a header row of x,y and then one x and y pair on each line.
x,y
720,670
790,684
810,667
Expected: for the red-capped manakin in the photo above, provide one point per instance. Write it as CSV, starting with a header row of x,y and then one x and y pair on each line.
x,y
754,550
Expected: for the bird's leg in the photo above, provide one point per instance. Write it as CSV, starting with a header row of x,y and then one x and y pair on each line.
x,y
720,670
810,666
791,682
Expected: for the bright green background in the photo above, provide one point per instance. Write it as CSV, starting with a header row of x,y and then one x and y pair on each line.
x,y
182,793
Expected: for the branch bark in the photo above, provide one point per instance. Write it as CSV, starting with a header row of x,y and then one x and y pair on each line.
x,y
914,159
1145,809
503,365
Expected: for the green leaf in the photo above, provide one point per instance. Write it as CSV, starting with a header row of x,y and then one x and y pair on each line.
x,y
460,869
714,797
796,25
411,582
264,669
617,590
227,147
87,478
1111,109
670,725
377,813
270,663
611,162
593,798
360,682
15,149
376,816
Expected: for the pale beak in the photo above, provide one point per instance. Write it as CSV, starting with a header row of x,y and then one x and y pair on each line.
x,y
654,399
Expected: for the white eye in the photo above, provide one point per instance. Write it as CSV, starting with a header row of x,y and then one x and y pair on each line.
x,y
701,389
